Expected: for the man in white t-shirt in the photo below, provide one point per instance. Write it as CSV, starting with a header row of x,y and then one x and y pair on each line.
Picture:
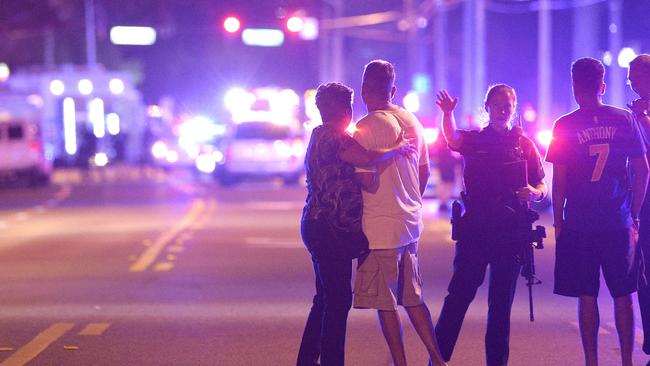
x,y
392,217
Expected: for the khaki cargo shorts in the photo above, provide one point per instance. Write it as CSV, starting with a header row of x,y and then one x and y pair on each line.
x,y
387,278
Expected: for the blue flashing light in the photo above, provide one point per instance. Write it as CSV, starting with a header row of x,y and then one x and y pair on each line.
x,y
421,83
262,37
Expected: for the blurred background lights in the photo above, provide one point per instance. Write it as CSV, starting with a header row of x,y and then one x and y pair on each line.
x,y
96,117
85,86
217,156
154,111
205,163
57,87
133,36
607,58
35,100
171,156
544,137
431,135
626,56
262,37
113,123
412,101
613,28
70,126
231,25
4,71
116,86
529,114
159,150
295,24
101,159
238,99
309,30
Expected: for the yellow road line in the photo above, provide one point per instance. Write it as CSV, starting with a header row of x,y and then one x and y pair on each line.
x,y
151,253
94,329
163,266
37,345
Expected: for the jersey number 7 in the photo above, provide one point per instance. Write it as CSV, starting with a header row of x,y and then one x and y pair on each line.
x,y
602,150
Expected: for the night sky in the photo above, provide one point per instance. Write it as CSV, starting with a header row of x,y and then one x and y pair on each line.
x,y
195,61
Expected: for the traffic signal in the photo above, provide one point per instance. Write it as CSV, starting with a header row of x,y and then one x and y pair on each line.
x,y
232,24
295,24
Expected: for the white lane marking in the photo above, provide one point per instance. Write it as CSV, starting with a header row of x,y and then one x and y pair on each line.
x,y
163,266
273,242
37,345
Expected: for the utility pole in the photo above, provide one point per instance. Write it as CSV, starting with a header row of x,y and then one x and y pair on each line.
x,y
473,60
585,35
91,41
331,44
544,40
440,46
616,73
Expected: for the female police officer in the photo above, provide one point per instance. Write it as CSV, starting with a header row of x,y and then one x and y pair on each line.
x,y
502,172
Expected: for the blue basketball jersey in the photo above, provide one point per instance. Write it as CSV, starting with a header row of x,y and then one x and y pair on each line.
x,y
595,145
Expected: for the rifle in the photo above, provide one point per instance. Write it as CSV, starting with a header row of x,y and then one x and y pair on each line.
x,y
534,239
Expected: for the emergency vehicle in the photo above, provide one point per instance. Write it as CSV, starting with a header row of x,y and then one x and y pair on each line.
x,y
84,112
265,139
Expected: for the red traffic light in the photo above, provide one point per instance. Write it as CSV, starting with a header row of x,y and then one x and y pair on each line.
x,y
231,25
295,24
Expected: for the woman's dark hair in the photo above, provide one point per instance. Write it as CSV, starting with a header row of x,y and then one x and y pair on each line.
x,y
588,74
333,100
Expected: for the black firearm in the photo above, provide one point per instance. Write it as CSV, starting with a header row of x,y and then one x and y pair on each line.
x,y
533,238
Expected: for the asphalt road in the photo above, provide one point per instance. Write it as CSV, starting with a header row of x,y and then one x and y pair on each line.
x,y
141,267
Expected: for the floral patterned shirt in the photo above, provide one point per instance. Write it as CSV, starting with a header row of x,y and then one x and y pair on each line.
x,y
332,192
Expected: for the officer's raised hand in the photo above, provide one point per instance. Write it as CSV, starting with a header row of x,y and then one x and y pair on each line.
x,y
446,103
529,193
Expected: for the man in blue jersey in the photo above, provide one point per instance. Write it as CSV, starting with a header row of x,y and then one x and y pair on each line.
x,y
639,77
596,207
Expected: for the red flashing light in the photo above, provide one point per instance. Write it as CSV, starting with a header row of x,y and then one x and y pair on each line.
x,y
231,25
295,24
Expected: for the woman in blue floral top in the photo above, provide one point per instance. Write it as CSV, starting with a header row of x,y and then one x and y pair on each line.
x,y
331,221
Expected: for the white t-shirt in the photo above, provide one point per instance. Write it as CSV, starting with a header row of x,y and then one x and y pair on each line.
x,y
392,215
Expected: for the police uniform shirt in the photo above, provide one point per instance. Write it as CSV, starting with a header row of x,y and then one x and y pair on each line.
x,y
488,180
595,144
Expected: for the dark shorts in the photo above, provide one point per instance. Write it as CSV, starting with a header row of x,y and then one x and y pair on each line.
x,y
579,257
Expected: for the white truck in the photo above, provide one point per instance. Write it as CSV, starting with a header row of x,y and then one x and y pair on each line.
x,y
23,153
